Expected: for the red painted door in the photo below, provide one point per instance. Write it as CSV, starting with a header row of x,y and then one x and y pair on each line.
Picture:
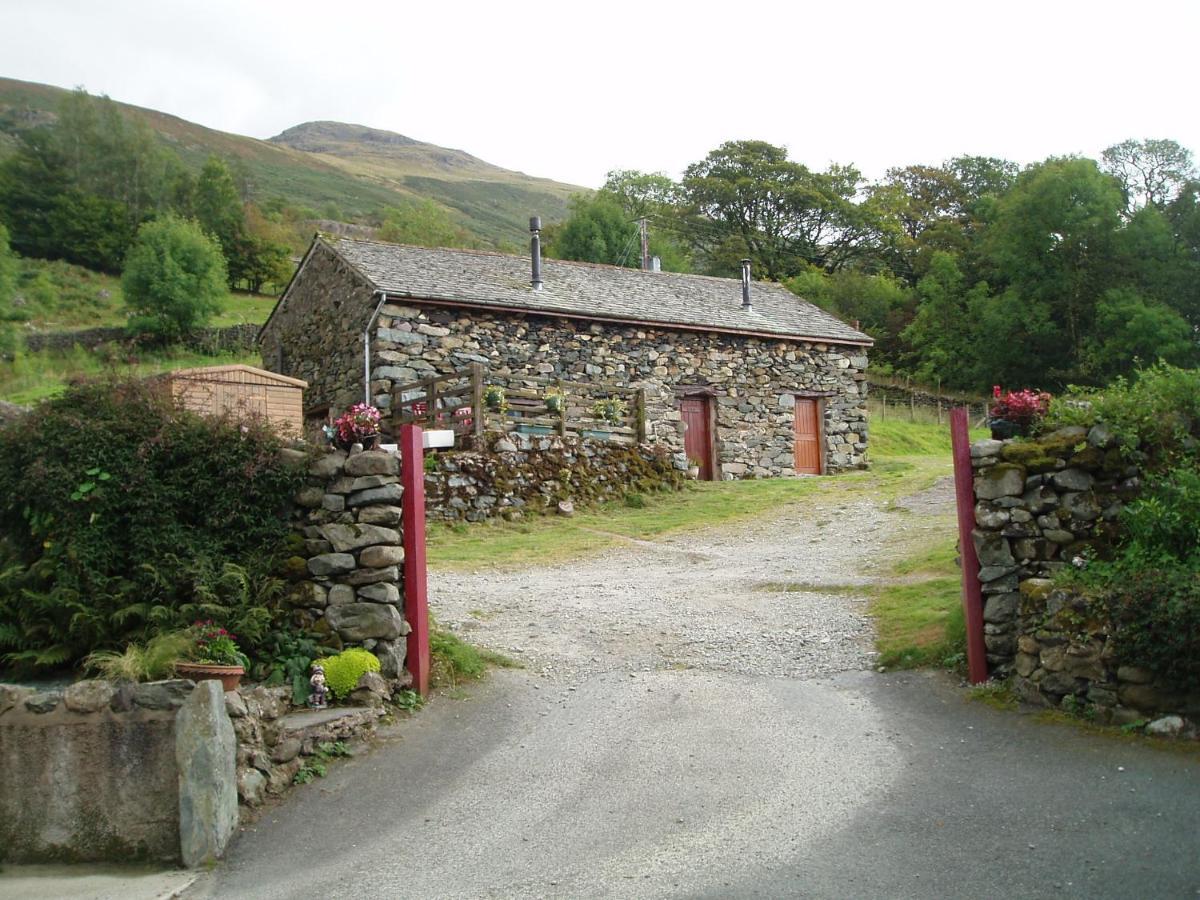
x,y
808,436
697,435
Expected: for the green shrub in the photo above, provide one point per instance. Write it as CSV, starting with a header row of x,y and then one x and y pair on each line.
x,y
123,517
1156,415
343,671
1149,591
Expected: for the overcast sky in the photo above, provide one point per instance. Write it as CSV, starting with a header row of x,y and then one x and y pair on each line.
x,y
570,90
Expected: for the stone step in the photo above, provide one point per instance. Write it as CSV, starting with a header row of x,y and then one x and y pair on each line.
x,y
311,725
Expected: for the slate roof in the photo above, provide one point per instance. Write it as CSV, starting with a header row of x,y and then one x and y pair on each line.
x,y
596,291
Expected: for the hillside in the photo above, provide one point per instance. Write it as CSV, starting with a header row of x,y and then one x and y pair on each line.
x,y
493,202
328,166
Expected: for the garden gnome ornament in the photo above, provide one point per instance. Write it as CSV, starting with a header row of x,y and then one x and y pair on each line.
x,y
317,699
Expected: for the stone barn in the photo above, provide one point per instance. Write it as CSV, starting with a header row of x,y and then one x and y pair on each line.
x,y
745,377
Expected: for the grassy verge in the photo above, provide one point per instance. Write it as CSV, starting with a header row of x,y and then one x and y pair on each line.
x,y
453,660
549,539
29,377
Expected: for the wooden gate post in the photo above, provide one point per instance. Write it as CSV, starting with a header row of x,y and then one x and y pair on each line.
x,y
416,590
972,593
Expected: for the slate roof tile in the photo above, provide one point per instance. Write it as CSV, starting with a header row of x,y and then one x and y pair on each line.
x,y
599,291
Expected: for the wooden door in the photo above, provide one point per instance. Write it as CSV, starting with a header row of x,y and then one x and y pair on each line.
x,y
697,435
808,436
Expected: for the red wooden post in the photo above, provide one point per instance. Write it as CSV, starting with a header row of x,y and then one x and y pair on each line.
x,y
416,589
964,490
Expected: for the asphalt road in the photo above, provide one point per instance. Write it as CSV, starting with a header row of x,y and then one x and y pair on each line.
x,y
702,784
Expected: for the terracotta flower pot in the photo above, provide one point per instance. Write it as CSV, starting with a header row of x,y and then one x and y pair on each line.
x,y
229,676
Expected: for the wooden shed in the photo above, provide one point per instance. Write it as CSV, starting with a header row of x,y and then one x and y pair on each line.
x,y
244,390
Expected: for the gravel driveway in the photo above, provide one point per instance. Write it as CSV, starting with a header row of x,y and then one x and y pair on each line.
x,y
774,596
682,731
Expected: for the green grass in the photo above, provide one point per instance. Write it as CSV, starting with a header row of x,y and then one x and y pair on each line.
x,y
30,377
919,623
53,295
453,660
550,539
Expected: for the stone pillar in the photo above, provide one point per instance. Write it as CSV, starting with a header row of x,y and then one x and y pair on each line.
x,y
206,753
350,518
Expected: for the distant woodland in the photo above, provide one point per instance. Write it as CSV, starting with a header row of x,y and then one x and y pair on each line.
x,y
968,273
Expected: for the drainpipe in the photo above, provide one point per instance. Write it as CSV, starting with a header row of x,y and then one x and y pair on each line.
x,y
367,346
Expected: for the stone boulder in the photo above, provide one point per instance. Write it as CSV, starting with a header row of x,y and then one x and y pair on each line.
x,y
352,537
1001,480
372,462
357,622
206,753
89,696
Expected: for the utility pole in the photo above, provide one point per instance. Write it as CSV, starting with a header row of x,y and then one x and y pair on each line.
x,y
645,246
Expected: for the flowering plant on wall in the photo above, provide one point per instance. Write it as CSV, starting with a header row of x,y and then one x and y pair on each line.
x,y
216,646
1016,412
359,425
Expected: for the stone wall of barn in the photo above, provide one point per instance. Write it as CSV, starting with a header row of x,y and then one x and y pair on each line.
x,y
754,381
316,335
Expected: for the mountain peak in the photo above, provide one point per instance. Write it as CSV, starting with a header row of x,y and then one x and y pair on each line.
x,y
326,137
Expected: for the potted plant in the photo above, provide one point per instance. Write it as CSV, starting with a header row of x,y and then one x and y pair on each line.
x,y
360,425
555,400
610,409
693,468
1014,413
217,655
494,398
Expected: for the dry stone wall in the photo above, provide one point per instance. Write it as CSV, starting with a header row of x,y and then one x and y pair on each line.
x,y
1042,505
349,581
522,473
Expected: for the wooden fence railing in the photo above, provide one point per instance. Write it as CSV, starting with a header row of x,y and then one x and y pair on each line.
x,y
457,402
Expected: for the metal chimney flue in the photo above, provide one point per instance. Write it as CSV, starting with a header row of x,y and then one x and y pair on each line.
x,y
746,285
535,251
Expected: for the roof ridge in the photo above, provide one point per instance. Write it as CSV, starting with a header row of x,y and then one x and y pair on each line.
x,y
566,262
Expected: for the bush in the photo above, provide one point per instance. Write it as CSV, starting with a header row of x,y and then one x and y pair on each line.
x,y
122,517
1156,415
1155,620
174,278
343,671
1150,591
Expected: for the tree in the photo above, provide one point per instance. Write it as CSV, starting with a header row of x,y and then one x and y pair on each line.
x,y
943,334
881,304
1152,172
1053,249
174,278
641,193
8,287
597,231
746,198
422,223
1131,328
